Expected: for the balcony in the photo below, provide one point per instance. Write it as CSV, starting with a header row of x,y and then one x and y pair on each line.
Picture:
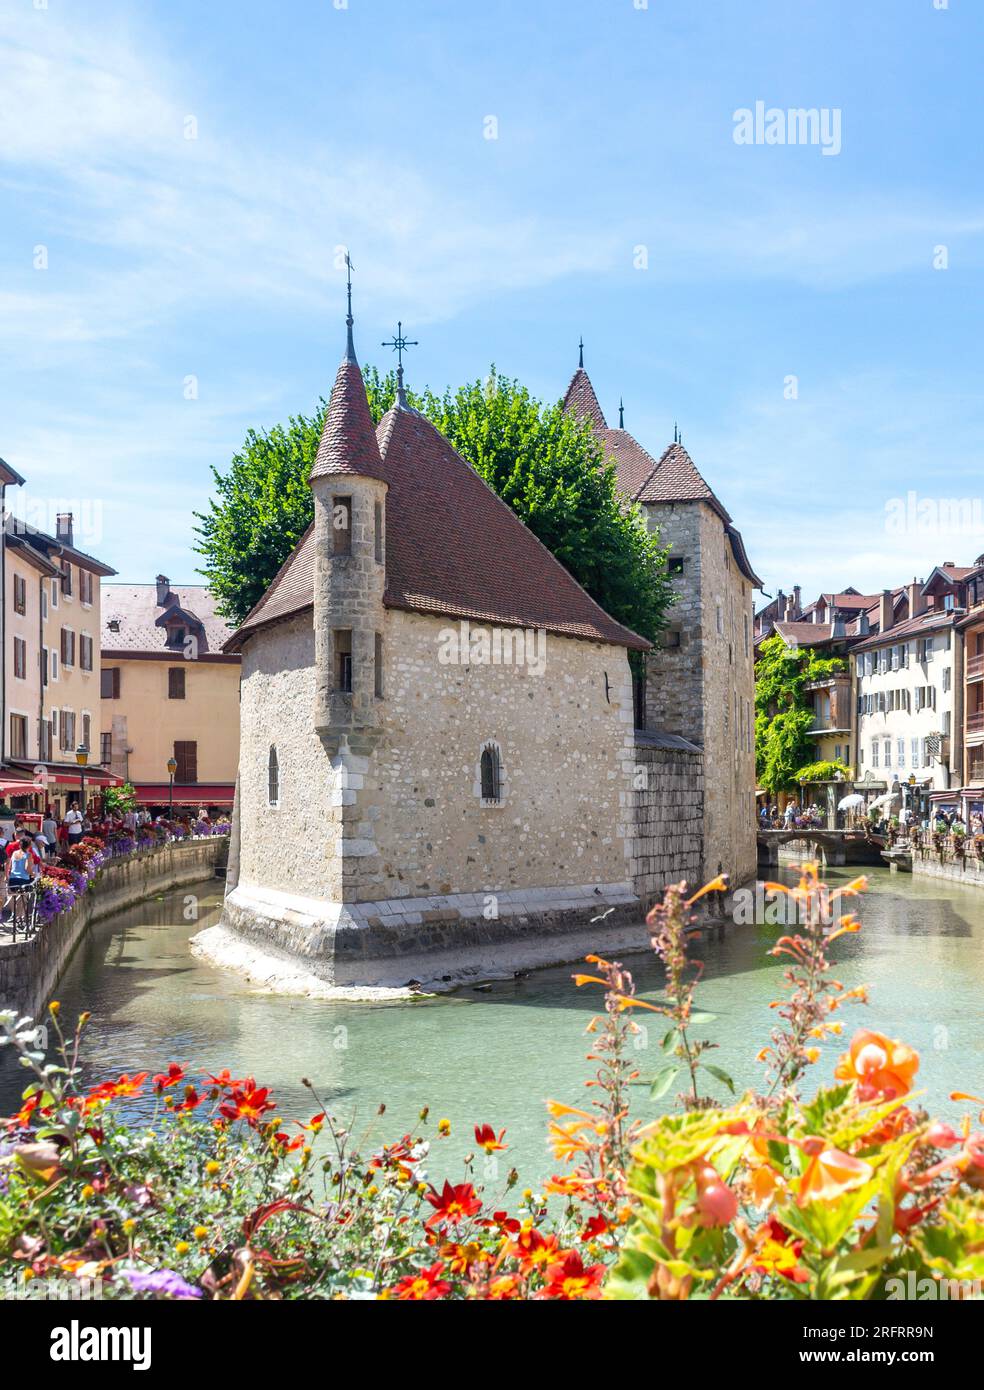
x,y
975,726
975,667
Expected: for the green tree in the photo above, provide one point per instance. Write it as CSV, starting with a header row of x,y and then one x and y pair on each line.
x,y
784,710
546,465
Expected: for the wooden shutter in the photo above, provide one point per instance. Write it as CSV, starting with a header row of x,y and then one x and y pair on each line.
x,y
186,756
175,683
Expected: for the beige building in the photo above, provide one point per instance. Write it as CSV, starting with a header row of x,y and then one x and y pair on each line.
x,y
439,772
701,683
51,674
169,691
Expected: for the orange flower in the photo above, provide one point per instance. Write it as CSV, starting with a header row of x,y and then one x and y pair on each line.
x,y
829,1172
125,1086
775,1256
425,1285
882,1068
572,1279
485,1139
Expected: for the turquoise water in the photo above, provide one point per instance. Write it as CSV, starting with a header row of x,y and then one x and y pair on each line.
x,y
495,1056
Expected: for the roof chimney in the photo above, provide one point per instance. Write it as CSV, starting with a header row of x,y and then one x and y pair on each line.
x,y
838,628
917,599
886,613
163,589
864,626
797,598
64,528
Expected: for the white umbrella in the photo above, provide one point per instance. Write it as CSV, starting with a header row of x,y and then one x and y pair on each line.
x,y
847,802
883,800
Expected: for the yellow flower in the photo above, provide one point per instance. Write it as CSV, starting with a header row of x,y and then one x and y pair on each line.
x,y
87,1192
129,1225
28,1274
54,1006
200,1232
211,1167
182,1247
444,1127
372,1190
812,1053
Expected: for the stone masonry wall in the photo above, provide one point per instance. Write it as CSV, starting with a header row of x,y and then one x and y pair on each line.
x,y
668,803
704,688
409,821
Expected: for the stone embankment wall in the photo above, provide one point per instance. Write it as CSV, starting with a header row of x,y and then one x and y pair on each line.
x,y
29,970
968,870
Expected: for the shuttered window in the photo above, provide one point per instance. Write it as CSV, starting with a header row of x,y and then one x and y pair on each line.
x,y
186,756
175,683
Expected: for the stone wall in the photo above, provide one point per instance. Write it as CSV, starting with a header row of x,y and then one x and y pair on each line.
x,y
704,688
29,970
408,821
969,871
668,808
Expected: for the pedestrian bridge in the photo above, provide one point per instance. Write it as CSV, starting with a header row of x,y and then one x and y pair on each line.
x,y
833,846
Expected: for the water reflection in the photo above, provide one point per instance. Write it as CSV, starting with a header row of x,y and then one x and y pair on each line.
x,y
494,1056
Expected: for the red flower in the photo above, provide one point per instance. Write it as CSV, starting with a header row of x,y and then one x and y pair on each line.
x,y
120,1089
485,1138
571,1279
171,1077
224,1080
452,1205
427,1284
191,1099
597,1226
246,1102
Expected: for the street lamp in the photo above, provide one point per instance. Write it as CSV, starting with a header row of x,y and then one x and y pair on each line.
x,y
82,758
172,767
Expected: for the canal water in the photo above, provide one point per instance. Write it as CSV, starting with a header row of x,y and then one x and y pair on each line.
x,y
494,1056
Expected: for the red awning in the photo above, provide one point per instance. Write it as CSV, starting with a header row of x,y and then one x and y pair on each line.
x,y
67,775
187,794
23,788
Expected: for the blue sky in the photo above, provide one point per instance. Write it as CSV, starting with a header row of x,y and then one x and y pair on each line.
x,y
214,258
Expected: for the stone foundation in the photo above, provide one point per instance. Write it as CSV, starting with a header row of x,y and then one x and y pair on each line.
x,y
30,970
436,941
969,871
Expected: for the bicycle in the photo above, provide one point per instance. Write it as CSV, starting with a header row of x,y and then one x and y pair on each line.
x,y
22,903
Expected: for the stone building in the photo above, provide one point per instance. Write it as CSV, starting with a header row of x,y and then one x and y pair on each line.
x,y
700,685
439,771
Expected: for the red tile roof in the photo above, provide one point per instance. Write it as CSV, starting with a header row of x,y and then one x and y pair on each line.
x,y
454,548
581,401
348,440
930,621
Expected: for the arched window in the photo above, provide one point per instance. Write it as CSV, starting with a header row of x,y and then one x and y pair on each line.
x,y
273,778
491,780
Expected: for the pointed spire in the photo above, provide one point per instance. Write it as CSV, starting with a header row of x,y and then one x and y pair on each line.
x,y
348,437
621,414
580,354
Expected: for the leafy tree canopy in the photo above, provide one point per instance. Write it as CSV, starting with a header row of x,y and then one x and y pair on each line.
x,y
546,465
784,710
824,771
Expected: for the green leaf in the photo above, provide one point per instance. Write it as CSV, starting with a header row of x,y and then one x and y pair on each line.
x,y
720,1075
662,1081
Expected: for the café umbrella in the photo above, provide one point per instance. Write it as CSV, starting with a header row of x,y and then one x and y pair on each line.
x,y
848,803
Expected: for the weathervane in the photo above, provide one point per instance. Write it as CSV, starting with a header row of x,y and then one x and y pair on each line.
x,y
399,344
349,320
580,353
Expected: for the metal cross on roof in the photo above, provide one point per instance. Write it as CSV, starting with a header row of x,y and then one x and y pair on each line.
x,y
399,344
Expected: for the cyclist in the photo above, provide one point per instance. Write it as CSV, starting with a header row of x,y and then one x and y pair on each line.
x,y
23,866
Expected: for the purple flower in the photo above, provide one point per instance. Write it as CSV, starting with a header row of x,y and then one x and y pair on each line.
x,y
163,1283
